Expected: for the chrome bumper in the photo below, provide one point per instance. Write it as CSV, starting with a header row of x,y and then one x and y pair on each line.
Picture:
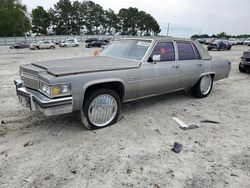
x,y
37,101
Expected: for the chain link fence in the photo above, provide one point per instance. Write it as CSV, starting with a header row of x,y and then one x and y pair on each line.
x,y
6,41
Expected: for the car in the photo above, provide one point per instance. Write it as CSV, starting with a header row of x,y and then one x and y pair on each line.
x,y
128,69
233,41
42,45
98,43
69,43
240,41
219,45
20,45
246,41
90,40
209,41
244,64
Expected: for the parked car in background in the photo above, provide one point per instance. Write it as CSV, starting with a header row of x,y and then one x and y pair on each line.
x,y
233,41
246,41
128,69
219,45
91,40
244,65
240,41
98,43
209,41
20,45
69,43
42,45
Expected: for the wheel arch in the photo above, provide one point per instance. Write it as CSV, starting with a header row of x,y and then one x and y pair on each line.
x,y
115,84
208,73
205,73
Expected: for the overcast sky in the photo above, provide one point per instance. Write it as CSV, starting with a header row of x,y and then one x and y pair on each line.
x,y
186,17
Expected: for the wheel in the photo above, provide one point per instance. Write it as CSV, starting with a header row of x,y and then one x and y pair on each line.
x,y
52,47
65,45
76,45
101,109
241,69
203,87
36,48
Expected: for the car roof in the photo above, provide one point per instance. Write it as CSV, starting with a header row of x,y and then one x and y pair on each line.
x,y
158,38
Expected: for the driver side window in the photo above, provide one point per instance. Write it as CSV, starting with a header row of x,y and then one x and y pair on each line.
x,y
165,50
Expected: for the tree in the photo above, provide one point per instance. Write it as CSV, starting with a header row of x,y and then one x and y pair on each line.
x,y
40,20
111,22
222,34
13,18
90,18
62,17
134,22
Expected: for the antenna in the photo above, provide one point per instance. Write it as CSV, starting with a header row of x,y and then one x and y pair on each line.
x,y
168,29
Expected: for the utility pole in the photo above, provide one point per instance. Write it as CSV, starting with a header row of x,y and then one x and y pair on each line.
x,y
168,30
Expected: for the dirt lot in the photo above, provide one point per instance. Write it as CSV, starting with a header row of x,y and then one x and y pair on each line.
x,y
37,151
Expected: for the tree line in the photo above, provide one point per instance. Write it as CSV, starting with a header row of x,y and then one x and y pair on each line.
x,y
74,18
220,35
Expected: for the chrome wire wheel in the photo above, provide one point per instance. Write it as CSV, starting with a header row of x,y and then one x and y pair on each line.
x,y
205,84
102,110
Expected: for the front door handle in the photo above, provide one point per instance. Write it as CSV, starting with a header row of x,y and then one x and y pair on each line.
x,y
199,65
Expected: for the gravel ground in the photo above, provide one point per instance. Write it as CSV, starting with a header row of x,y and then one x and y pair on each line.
x,y
39,151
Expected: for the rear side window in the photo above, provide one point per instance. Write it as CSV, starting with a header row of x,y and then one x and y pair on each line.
x,y
165,50
197,52
185,51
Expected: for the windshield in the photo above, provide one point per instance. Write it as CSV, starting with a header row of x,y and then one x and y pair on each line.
x,y
134,49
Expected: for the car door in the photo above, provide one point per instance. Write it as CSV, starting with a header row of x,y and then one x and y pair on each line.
x,y
191,65
70,43
162,76
44,45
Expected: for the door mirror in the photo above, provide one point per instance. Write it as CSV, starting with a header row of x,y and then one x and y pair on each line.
x,y
156,58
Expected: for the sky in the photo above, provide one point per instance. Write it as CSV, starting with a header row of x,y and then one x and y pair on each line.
x,y
186,17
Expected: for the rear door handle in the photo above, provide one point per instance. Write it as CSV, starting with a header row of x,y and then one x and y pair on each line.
x,y
176,66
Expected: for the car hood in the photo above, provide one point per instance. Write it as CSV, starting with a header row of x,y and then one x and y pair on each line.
x,y
63,67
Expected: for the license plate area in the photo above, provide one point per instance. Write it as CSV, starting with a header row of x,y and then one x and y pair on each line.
x,y
24,100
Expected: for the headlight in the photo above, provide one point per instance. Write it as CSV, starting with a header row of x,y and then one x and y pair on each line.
x,y
56,90
45,88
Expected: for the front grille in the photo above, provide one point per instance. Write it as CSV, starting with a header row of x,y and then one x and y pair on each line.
x,y
30,80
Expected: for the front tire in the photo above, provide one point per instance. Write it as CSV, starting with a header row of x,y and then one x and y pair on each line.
x,y
101,109
203,87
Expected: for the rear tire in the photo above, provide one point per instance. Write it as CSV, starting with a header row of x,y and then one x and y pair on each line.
x,y
203,87
101,109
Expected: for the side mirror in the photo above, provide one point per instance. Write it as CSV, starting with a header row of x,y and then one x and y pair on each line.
x,y
156,58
